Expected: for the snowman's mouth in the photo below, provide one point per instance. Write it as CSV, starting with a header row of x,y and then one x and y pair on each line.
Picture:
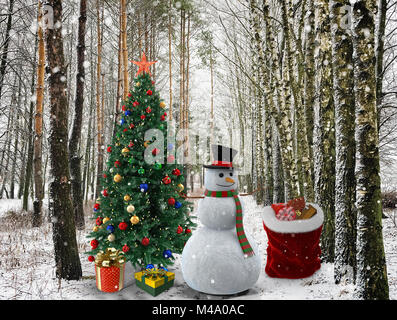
x,y
225,186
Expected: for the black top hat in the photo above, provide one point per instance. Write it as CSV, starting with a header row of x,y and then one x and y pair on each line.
x,y
223,157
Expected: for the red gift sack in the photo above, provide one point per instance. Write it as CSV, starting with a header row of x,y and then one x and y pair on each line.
x,y
293,250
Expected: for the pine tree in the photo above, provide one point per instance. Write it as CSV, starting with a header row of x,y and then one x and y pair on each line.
x,y
141,209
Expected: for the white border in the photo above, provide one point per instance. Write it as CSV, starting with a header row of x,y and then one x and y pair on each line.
x,y
295,226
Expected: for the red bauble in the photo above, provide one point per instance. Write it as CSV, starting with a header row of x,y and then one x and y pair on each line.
x,y
166,180
171,201
132,126
94,243
188,231
135,104
145,241
153,82
96,206
170,159
123,226
125,130
131,144
109,149
179,230
98,221
162,118
91,258
105,175
124,108
105,192
149,92
126,248
130,95
143,117
148,110
117,163
176,172
165,114
155,151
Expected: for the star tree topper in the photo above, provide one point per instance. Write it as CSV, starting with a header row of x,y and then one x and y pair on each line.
x,y
143,65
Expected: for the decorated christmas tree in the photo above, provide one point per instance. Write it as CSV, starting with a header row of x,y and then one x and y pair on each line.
x,y
141,210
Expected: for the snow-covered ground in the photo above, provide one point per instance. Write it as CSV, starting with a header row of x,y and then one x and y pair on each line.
x,y
27,267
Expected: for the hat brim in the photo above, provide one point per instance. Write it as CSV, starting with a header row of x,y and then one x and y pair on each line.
x,y
218,167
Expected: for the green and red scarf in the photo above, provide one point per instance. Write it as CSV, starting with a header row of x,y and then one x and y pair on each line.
x,y
242,238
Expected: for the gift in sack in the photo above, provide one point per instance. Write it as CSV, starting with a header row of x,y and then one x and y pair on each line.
x,y
286,214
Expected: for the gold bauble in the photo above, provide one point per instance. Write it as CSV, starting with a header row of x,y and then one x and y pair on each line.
x,y
111,237
138,84
95,229
181,187
127,198
106,219
130,208
117,178
162,104
134,220
125,151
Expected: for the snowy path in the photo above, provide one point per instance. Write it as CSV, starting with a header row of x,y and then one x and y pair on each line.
x,y
27,269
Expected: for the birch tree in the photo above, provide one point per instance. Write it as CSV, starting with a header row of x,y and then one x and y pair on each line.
x,y
372,280
324,140
345,219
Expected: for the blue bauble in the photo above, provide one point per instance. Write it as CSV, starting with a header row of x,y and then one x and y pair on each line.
x,y
164,268
122,121
150,266
110,228
127,113
143,187
177,205
167,254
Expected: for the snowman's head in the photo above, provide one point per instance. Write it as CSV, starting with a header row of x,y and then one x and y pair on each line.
x,y
222,179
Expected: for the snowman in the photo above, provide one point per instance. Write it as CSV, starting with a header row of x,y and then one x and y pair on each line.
x,y
221,258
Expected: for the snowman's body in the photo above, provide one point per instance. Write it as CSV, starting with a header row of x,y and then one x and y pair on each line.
x,y
213,261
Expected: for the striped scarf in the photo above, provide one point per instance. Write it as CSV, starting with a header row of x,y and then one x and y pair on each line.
x,y
242,238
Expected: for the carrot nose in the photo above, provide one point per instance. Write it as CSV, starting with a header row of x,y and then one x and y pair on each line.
x,y
229,180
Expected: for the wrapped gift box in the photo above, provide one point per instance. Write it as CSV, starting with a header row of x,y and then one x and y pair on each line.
x,y
110,270
293,250
154,281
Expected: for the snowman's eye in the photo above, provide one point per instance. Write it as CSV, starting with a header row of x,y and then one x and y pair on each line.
x,y
221,175
231,174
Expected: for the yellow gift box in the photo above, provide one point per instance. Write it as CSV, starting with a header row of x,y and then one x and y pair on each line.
x,y
154,284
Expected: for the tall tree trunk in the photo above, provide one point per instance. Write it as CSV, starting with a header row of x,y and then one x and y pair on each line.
x,y
309,78
38,125
324,131
379,52
61,207
16,142
99,110
371,265
29,162
4,56
345,218
75,139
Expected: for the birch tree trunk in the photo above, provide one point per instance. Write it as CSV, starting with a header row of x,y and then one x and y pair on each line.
x,y
61,208
345,218
170,56
75,140
324,143
380,48
371,265
124,47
